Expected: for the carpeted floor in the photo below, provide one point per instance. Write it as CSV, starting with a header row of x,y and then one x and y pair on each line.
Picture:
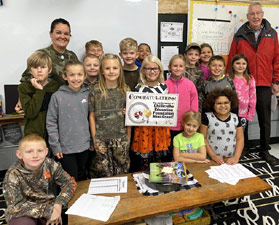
x,y
257,209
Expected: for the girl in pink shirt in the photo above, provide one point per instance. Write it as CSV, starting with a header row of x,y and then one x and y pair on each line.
x,y
246,90
178,84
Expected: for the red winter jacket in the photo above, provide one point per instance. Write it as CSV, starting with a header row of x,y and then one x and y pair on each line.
x,y
263,61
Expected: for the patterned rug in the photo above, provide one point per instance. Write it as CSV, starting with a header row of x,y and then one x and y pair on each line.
x,y
262,208
259,209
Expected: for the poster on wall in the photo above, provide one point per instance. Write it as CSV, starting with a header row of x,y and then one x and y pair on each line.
x,y
148,109
218,33
171,32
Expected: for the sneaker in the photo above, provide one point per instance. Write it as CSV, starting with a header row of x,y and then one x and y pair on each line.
x,y
269,158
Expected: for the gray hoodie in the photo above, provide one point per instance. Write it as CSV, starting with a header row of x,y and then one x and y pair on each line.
x,y
67,121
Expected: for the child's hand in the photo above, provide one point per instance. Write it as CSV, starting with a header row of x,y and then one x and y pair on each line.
x,y
218,159
18,108
59,155
124,111
36,84
55,218
233,160
203,161
91,148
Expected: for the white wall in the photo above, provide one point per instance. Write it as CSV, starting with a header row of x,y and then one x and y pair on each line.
x,y
25,25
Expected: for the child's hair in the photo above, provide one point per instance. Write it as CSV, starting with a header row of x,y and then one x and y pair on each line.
x,y
146,45
177,57
191,115
93,43
128,44
217,58
57,21
39,58
121,80
154,59
31,138
246,73
73,63
90,56
216,93
193,45
203,45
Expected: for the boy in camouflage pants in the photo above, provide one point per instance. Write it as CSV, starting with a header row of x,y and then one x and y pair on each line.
x,y
27,185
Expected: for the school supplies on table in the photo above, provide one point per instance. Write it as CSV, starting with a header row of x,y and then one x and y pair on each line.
x,y
143,186
168,172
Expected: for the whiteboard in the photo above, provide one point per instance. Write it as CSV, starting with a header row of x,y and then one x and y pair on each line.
x,y
216,23
25,26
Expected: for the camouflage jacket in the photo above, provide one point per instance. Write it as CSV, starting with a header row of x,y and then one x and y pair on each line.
x,y
196,76
29,193
58,63
109,118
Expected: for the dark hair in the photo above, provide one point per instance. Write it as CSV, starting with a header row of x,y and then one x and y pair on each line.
x,y
146,45
216,93
57,21
246,73
203,45
217,58
73,63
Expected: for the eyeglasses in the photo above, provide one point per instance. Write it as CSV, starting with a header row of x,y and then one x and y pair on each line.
x,y
255,13
149,69
222,103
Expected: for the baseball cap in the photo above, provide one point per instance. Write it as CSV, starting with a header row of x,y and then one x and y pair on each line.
x,y
194,46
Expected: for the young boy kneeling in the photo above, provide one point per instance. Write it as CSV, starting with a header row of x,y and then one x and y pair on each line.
x,y
27,185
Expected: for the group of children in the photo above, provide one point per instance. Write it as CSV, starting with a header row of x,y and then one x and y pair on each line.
x,y
83,122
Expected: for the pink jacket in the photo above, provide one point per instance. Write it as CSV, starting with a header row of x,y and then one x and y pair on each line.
x,y
187,100
246,94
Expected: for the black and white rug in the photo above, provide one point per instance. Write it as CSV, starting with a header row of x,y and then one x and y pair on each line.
x,y
259,209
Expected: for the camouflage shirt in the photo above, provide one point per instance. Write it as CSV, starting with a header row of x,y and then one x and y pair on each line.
x,y
109,118
196,76
29,193
58,63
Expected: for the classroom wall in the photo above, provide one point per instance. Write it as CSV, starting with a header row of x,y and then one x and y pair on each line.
x,y
181,6
25,26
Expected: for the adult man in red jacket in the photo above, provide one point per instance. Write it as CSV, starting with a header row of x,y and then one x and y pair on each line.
x,y
259,42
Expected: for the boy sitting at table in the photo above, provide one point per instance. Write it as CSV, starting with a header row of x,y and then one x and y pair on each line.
x,y
27,185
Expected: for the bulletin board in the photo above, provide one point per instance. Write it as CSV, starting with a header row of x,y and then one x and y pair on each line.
x,y
25,26
215,22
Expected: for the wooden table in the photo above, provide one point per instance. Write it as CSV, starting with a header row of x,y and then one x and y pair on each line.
x,y
135,206
14,118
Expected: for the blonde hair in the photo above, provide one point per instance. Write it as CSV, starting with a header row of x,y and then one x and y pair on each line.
x,y
154,59
128,44
93,43
91,56
39,58
177,57
31,138
120,81
191,115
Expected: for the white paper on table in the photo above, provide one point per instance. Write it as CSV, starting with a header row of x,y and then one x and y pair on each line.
x,y
229,173
108,185
94,207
